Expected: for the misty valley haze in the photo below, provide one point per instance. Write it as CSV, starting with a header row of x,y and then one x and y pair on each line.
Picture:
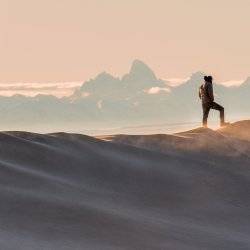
x,y
137,98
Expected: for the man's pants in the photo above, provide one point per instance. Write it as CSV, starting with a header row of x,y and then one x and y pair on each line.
x,y
213,105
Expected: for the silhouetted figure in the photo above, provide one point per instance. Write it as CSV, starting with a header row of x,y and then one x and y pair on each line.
x,y
207,97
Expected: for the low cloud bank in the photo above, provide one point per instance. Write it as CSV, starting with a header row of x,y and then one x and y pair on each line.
x,y
58,89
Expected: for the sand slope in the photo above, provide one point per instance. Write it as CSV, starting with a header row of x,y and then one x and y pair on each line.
x,y
239,129
67,191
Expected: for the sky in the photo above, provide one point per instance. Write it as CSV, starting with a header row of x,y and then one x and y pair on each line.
x,y
62,43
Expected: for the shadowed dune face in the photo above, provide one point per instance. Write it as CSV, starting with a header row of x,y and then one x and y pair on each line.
x,y
68,191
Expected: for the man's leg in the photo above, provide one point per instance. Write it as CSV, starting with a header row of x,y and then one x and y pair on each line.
x,y
218,107
206,109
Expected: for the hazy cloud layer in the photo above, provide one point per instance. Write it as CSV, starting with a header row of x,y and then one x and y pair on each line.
x,y
61,89
58,89
157,90
173,82
232,83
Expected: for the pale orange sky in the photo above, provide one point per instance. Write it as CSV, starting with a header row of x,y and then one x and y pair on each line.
x,y
73,40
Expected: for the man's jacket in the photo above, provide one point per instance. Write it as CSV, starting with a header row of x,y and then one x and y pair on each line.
x,y
206,93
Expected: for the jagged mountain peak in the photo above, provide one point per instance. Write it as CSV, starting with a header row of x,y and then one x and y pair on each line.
x,y
139,65
193,82
104,76
140,71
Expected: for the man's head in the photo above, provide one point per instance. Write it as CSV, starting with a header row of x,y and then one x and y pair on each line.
x,y
208,78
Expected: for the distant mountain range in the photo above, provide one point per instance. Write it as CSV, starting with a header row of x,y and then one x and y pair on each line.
x,y
137,98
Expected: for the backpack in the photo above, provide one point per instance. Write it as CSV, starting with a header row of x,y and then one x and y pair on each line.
x,y
202,92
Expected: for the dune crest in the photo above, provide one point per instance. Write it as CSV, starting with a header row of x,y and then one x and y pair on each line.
x,y
231,141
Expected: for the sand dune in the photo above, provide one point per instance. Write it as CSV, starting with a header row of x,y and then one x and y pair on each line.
x,y
68,191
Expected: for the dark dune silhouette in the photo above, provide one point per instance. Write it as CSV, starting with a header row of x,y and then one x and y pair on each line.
x,y
69,191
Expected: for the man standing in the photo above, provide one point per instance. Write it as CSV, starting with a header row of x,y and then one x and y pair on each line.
x,y
207,97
